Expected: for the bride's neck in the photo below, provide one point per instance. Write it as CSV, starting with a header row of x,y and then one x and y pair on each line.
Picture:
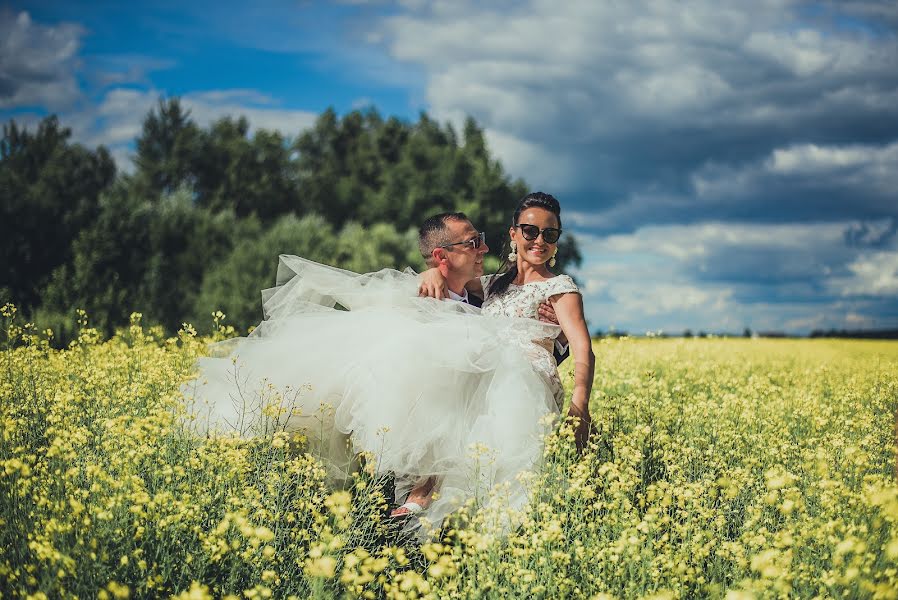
x,y
528,272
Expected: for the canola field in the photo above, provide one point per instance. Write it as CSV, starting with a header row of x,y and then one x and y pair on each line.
x,y
720,468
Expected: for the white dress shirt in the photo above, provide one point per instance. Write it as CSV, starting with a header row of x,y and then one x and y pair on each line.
x,y
454,296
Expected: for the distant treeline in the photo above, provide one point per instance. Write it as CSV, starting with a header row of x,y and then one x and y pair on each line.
x,y
878,334
870,334
199,223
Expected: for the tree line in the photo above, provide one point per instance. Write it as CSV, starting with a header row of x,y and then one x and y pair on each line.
x,y
199,223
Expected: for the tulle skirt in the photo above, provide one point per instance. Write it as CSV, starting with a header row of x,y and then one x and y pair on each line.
x,y
423,387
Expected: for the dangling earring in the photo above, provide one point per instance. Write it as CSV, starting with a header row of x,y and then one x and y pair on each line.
x,y
513,255
552,260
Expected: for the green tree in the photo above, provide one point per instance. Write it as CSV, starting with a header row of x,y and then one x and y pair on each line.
x,y
49,190
145,255
338,164
233,284
167,150
223,166
249,175
361,168
109,260
199,224
365,249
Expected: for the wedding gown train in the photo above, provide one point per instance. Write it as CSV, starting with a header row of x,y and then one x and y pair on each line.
x,y
424,387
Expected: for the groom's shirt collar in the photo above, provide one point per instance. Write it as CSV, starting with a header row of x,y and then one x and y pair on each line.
x,y
454,296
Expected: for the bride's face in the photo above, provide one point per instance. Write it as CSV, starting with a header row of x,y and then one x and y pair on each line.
x,y
538,251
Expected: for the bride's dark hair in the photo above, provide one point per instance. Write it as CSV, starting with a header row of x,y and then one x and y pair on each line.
x,y
508,270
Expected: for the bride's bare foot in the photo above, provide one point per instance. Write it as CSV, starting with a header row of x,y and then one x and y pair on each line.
x,y
419,499
409,508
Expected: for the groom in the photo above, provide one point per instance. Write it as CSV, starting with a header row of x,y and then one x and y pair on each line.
x,y
450,243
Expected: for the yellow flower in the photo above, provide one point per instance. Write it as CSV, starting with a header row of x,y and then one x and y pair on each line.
x,y
323,566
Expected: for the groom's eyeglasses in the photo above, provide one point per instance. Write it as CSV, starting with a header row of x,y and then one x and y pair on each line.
x,y
531,232
474,242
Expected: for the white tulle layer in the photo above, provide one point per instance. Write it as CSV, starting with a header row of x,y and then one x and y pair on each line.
x,y
427,388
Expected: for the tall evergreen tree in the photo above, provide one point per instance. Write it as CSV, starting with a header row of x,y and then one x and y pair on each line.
x,y
49,190
167,150
248,175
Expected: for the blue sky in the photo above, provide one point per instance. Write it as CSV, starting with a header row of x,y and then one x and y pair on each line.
x,y
723,164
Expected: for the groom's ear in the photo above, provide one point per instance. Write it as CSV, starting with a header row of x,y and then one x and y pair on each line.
x,y
438,255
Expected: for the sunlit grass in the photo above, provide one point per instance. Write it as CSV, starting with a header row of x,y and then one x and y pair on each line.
x,y
720,468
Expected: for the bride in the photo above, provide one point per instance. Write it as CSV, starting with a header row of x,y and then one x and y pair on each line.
x,y
451,399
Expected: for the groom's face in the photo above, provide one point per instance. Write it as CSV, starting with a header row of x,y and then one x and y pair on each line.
x,y
464,260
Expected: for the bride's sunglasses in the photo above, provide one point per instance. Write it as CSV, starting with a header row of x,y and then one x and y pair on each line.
x,y
531,232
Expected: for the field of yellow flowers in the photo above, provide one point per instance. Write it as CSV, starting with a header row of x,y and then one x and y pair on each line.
x,y
720,468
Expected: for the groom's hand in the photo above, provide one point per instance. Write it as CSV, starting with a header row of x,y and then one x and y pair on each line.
x,y
547,313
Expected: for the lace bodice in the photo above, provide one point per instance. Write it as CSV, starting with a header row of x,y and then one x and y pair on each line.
x,y
523,301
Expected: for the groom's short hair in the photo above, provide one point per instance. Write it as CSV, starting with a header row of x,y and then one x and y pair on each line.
x,y
434,233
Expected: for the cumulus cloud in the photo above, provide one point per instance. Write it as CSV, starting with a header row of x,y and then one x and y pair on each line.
x,y
793,184
117,120
725,276
652,107
37,62
261,110
663,299
872,274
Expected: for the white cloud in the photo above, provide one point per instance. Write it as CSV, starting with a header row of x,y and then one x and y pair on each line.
x,y
837,317
811,159
662,299
861,178
808,323
689,242
260,110
37,63
857,320
682,88
116,122
544,171
656,105
873,274
362,103
725,276
807,52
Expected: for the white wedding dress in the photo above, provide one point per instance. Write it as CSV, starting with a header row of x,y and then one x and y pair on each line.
x,y
424,387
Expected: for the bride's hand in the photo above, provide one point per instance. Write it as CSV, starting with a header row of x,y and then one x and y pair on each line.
x,y
432,283
583,427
